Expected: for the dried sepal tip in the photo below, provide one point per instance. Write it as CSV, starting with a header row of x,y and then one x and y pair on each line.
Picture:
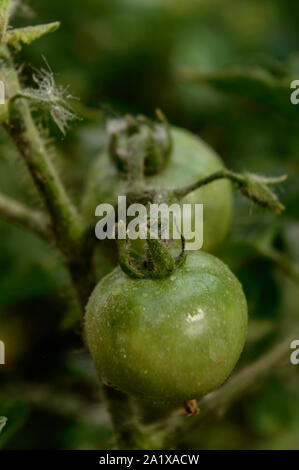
x,y
52,98
256,188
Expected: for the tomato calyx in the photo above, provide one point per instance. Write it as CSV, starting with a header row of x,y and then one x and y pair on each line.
x,y
139,146
158,262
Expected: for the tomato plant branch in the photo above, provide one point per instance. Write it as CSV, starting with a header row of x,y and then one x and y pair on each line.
x,y
254,187
68,227
27,139
221,174
126,430
30,219
290,269
4,7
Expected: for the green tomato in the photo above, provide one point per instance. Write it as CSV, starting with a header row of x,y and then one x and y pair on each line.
x,y
168,340
190,160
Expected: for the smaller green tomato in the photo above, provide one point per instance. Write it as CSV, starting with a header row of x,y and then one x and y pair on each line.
x,y
190,160
168,340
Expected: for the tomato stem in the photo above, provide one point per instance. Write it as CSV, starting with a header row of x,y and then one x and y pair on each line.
x,y
254,187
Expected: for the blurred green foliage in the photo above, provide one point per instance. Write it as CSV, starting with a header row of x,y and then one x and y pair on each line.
x,y
129,56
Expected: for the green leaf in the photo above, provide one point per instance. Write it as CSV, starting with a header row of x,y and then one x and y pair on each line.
x,y
17,37
255,83
4,7
3,422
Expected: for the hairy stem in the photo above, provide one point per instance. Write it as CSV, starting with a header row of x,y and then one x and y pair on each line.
x,y
4,6
221,174
126,429
285,264
68,225
254,187
26,217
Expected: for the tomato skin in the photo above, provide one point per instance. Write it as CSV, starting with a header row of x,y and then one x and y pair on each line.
x,y
168,340
191,160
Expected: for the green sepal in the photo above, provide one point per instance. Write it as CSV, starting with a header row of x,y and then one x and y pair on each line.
x,y
163,263
158,263
125,261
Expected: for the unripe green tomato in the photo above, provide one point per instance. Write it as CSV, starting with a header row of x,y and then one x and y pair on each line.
x,y
168,340
191,159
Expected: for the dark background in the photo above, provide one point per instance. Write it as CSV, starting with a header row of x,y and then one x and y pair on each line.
x,y
127,56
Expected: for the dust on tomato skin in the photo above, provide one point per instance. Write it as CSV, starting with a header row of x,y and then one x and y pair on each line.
x,y
170,340
191,159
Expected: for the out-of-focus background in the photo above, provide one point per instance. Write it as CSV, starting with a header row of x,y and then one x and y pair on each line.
x,y
122,56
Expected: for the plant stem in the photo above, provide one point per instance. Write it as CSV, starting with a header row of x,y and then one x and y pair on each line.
x,y
126,429
254,187
31,147
4,6
221,174
290,269
26,217
68,225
